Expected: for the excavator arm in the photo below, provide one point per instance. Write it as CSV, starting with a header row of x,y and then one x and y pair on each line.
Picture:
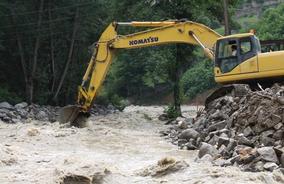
x,y
166,32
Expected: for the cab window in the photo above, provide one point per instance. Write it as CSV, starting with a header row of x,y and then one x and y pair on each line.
x,y
246,46
227,56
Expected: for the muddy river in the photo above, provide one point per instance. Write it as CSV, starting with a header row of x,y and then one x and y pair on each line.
x,y
118,148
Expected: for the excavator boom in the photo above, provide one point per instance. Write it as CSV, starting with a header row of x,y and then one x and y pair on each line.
x,y
165,32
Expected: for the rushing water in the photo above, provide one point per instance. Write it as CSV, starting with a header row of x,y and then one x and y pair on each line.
x,y
117,146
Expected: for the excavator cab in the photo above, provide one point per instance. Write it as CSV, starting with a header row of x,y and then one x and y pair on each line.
x,y
233,50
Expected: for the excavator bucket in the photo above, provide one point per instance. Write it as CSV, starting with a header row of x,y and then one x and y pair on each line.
x,y
73,115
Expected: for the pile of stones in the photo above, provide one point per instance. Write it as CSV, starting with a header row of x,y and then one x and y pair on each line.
x,y
22,112
246,131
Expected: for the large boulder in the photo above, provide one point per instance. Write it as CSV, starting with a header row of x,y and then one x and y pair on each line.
x,y
21,105
189,134
207,149
6,105
268,154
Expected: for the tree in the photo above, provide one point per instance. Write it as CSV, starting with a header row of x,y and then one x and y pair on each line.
x,y
271,24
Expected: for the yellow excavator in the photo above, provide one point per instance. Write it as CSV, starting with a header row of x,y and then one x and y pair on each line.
x,y
237,58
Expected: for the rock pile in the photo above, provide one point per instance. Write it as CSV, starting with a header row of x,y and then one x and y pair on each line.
x,y
247,131
22,112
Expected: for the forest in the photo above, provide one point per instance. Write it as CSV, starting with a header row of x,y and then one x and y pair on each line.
x,y
45,48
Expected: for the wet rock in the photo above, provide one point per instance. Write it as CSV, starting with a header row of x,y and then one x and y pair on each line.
x,y
268,154
75,179
163,167
259,166
33,132
21,105
163,117
206,158
189,134
207,149
182,125
6,105
222,162
42,116
190,145
270,166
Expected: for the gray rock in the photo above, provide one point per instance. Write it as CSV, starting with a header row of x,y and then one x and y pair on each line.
x,y
282,160
21,105
269,123
2,115
278,135
182,125
219,115
181,142
180,119
217,126
189,134
278,126
222,150
275,118
206,158
243,140
223,141
189,121
222,162
6,105
207,149
248,131
41,115
268,154
190,146
214,140
270,166
232,144
258,166
267,141
224,135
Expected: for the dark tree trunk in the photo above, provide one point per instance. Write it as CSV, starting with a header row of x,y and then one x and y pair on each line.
x,y
24,64
75,28
226,18
177,97
35,54
52,57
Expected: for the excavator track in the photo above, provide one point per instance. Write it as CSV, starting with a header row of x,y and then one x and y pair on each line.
x,y
236,90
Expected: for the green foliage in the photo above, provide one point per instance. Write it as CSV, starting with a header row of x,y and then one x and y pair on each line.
x,y
171,112
271,24
198,79
134,73
6,95
118,102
